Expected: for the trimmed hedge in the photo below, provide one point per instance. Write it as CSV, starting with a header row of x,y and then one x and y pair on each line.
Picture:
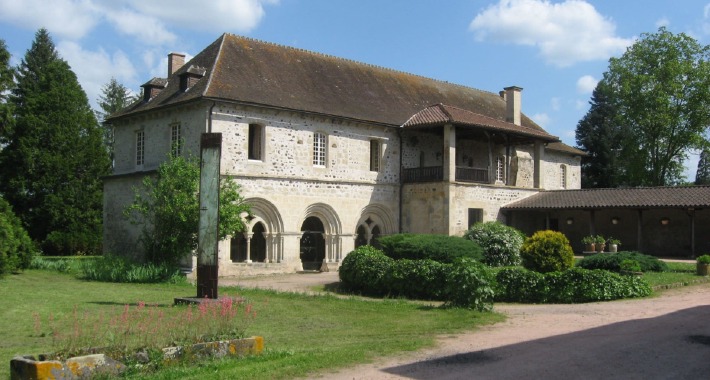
x,y
612,261
500,243
575,285
465,283
441,248
547,251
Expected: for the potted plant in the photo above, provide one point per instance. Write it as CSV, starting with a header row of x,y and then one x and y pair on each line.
x,y
599,243
703,265
613,244
588,242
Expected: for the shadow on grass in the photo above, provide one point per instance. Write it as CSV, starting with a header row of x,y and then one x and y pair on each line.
x,y
672,346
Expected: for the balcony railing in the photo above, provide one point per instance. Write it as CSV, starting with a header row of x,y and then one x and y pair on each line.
x,y
466,174
436,173
425,174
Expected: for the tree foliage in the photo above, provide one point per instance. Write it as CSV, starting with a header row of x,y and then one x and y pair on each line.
x,y
16,247
659,95
702,176
113,98
52,164
6,83
168,208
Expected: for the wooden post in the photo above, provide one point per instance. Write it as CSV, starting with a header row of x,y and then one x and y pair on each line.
x,y
208,235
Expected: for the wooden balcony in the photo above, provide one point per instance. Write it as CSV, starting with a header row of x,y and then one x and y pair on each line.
x,y
436,173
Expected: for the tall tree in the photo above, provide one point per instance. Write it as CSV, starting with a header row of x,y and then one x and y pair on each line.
x,y
114,97
53,162
603,138
6,83
702,176
660,88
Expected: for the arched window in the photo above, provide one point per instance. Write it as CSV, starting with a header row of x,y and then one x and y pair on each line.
x,y
256,142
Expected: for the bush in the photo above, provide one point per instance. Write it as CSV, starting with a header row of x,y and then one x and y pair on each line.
x,y
16,247
612,261
547,251
441,248
120,269
500,243
465,283
571,286
469,284
520,285
364,270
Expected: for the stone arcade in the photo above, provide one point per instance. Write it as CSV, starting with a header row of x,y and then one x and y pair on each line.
x,y
332,153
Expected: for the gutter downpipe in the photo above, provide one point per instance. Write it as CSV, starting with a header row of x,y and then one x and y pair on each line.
x,y
209,117
401,182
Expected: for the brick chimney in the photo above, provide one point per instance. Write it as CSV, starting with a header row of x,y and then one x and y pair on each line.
x,y
175,61
512,101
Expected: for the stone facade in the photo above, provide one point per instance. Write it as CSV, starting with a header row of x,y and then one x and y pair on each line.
x,y
334,167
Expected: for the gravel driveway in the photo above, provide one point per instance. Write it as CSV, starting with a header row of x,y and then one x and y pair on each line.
x,y
663,337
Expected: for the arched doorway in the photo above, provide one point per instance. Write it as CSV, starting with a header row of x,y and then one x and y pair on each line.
x,y
361,238
312,244
258,243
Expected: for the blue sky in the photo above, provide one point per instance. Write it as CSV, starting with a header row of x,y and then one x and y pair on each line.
x,y
554,50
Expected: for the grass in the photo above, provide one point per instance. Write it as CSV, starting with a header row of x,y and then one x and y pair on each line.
x,y
679,274
304,334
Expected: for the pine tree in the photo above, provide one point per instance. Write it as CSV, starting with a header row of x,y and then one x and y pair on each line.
x,y
53,162
702,177
6,83
114,97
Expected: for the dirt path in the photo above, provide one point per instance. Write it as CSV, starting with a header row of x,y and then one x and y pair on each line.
x,y
664,337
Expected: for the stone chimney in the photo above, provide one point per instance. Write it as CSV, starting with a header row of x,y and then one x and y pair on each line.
x,y
512,101
175,62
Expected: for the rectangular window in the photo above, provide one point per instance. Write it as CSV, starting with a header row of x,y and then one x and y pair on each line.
x,y
319,149
374,156
500,169
140,148
255,139
175,140
475,215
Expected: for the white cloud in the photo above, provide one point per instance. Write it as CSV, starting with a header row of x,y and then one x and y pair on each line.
x,y
145,28
564,33
706,19
95,68
542,119
663,22
71,19
581,104
214,15
586,84
555,103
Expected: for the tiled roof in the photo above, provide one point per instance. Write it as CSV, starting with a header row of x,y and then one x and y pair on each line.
x,y
249,71
639,197
564,148
440,114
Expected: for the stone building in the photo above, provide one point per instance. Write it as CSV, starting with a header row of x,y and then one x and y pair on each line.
x,y
332,153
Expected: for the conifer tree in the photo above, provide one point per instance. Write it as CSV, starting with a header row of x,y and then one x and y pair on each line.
x,y
52,165
6,83
113,98
702,177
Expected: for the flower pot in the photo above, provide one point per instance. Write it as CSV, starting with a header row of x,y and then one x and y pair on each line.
x,y
613,248
703,269
600,247
589,248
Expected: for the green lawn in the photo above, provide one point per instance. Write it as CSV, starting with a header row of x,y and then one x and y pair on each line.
x,y
303,334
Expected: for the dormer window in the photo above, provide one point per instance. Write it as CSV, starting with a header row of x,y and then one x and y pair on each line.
x,y
190,77
153,88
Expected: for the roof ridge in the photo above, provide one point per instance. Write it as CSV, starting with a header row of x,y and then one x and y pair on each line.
x,y
628,188
358,62
206,89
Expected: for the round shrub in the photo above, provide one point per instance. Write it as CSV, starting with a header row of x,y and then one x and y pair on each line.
x,y
441,248
364,270
16,247
613,261
547,251
419,279
500,243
